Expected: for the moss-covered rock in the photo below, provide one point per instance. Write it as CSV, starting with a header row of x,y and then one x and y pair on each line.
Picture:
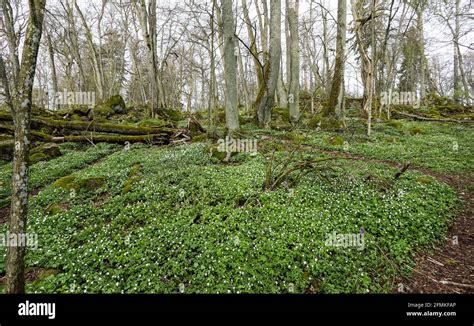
x,y
173,115
73,183
330,123
283,113
415,130
103,111
56,208
315,121
67,182
116,103
213,151
396,124
336,140
44,152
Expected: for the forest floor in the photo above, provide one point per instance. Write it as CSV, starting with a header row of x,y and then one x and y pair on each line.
x,y
167,220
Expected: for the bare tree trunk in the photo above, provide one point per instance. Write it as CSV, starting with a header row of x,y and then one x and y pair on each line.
x,y
97,64
243,82
422,52
54,76
335,104
74,39
457,84
230,67
266,97
9,26
22,100
212,83
367,62
292,7
148,24
327,76
253,45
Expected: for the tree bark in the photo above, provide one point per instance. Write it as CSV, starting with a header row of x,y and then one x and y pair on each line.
x,y
230,67
266,98
54,76
335,104
457,82
292,7
15,258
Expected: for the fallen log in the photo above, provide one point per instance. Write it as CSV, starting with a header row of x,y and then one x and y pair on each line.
x,y
417,117
123,129
36,135
6,150
160,139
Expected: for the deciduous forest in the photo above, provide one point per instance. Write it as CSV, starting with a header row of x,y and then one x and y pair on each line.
x,y
236,146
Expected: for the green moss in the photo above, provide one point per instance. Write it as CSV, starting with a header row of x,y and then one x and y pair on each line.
x,y
424,180
212,150
116,103
294,137
67,182
152,123
103,111
55,208
38,157
200,138
336,140
415,130
396,124
71,182
130,183
283,113
315,121
44,152
90,183
173,115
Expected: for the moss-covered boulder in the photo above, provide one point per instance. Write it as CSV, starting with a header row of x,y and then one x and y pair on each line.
x,y
173,115
396,124
103,111
415,130
73,183
282,113
213,151
114,105
44,152
330,123
336,140
56,208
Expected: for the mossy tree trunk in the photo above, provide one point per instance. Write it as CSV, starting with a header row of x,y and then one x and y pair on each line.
x,y
22,100
266,97
335,103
